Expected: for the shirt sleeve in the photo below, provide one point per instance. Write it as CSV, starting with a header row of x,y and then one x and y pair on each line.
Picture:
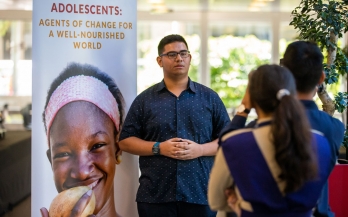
x,y
220,180
238,122
339,135
220,117
132,125
336,139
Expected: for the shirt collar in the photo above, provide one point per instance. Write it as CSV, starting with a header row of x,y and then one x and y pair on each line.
x,y
262,122
191,86
309,104
161,86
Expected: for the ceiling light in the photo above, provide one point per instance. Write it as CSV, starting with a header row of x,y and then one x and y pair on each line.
x,y
156,2
257,4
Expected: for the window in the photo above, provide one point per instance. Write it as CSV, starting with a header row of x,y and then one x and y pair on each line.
x,y
15,58
149,35
234,50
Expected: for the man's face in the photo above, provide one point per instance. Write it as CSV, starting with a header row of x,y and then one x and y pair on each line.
x,y
178,66
82,150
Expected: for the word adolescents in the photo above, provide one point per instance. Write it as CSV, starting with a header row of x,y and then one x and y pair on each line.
x,y
86,9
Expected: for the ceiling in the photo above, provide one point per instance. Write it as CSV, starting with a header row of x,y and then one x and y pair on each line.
x,y
221,5
16,4
187,5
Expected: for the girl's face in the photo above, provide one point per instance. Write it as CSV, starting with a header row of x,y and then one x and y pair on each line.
x,y
83,150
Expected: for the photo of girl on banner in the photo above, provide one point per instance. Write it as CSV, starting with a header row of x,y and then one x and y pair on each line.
x,y
83,114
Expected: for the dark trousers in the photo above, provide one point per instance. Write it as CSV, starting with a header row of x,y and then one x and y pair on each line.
x,y
174,209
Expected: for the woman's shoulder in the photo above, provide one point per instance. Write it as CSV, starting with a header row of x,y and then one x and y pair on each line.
x,y
237,134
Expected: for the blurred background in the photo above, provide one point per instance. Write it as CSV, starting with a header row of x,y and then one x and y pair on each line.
x,y
227,39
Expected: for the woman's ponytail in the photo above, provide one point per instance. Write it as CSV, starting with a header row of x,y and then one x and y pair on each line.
x,y
292,138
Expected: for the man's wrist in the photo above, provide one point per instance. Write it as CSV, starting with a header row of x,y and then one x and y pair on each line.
x,y
156,148
202,150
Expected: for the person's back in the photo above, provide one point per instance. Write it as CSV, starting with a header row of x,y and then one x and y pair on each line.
x,y
304,59
259,186
330,127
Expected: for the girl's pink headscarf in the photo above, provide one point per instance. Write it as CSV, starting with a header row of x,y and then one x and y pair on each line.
x,y
82,88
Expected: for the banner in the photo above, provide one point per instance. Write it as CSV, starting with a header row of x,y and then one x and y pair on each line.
x,y
77,47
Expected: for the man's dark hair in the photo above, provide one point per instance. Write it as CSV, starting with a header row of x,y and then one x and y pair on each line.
x,y
74,69
305,61
170,39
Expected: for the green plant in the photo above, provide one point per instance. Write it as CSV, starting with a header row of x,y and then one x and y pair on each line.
x,y
234,60
324,22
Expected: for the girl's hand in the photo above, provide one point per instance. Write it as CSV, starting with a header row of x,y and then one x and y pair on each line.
x,y
77,209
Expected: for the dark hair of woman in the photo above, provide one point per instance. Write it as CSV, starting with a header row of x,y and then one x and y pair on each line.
x,y
290,129
74,69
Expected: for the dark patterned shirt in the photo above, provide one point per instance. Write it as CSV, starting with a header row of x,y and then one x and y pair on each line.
x,y
157,115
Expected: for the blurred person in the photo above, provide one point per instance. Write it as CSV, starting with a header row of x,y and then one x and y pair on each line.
x,y
83,116
278,167
26,114
4,115
1,121
173,126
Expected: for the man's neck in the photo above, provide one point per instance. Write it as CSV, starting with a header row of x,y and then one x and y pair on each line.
x,y
306,96
176,86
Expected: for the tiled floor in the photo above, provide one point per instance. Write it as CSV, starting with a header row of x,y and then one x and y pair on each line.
x,y
23,209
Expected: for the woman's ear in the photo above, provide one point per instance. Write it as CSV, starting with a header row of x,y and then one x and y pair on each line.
x,y
48,153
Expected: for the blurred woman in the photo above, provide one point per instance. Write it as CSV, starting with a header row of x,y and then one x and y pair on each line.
x,y
83,116
277,168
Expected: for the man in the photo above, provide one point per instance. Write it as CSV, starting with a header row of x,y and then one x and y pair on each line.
x,y
304,60
174,126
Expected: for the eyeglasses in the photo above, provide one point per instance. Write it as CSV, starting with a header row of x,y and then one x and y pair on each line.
x,y
173,54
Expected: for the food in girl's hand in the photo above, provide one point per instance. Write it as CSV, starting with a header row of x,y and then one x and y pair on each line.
x,y
65,201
